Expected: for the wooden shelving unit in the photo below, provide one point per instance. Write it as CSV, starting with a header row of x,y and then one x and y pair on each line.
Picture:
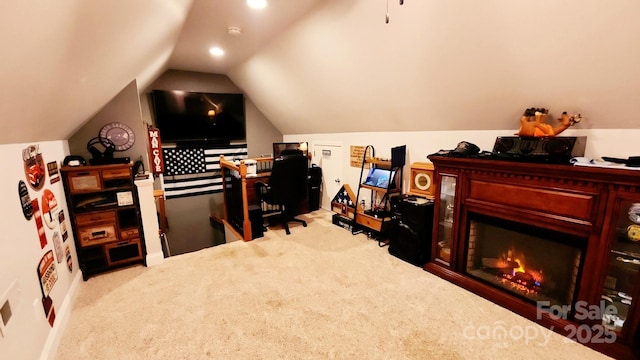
x,y
105,216
376,220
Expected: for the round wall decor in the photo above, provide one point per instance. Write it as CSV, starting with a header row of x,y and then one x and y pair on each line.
x,y
120,134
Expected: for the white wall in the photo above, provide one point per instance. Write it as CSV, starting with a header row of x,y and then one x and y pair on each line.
x,y
124,108
28,333
620,143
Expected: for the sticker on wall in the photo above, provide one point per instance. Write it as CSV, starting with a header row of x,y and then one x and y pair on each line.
x,y
67,254
38,216
57,246
48,276
52,169
33,166
25,200
63,225
49,209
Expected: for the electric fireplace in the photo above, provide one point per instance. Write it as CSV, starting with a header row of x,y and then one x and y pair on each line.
x,y
529,262
546,241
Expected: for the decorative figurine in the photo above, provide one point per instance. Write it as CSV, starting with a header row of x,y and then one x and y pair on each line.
x,y
532,123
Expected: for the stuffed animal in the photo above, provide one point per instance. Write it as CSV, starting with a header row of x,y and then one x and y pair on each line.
x,y
532,123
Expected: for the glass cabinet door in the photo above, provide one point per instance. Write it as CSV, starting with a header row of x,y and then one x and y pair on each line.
x,y
621,281
445,218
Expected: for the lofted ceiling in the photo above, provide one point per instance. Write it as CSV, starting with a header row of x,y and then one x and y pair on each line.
x,y
325,66
208,23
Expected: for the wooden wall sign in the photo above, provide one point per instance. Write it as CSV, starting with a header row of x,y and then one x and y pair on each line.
x,y
155,147
356,155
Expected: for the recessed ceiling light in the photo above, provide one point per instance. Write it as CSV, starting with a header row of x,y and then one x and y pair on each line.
x,y
257,4
216,51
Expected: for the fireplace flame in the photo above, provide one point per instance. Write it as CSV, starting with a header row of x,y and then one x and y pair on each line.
x,y
526,280
520,267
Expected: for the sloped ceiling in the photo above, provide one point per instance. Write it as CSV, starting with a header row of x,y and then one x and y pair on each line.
x,y
449,65
328,66
208,23
63,60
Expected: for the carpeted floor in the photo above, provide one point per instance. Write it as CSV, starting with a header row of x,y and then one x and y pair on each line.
x,y
319,293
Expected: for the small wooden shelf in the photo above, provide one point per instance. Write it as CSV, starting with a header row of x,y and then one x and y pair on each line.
x,y
374,188
381,163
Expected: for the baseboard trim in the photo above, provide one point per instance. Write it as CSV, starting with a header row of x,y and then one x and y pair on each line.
x,y
154,259
62,320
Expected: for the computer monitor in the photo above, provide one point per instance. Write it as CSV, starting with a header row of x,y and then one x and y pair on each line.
x,y
398,156
380,178
278,147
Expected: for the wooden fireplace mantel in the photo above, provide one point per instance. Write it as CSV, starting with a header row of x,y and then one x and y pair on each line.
x,y
580,201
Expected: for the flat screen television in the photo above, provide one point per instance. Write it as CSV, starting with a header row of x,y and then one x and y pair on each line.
x,y
183,116
380,178
279,147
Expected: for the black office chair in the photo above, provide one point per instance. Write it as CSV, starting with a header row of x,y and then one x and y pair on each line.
x,y
287,186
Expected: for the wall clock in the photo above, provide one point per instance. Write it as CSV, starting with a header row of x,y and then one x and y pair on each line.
x,y
120,134
422,179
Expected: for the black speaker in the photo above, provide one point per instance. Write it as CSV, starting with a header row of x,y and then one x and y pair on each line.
x,y
257,222
558,149
108,146
315,180
410,239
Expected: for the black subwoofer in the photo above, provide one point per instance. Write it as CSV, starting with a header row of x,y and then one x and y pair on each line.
x,y
315,180
410,239
257,222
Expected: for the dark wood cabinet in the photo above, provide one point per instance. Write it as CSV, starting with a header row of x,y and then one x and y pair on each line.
x,y
557,244
105,216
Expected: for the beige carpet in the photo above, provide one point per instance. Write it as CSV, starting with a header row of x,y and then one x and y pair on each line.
x,y
319,293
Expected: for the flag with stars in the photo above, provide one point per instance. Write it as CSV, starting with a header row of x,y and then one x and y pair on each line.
x,y
183,161
192,171
344,197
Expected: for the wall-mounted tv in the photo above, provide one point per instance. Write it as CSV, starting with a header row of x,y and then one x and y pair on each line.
x,y
183,116
279,147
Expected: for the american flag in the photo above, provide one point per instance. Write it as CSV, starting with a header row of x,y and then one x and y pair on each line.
x,y
343,197
195,170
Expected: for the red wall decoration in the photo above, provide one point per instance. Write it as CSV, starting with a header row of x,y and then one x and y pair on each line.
x,y
155,146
